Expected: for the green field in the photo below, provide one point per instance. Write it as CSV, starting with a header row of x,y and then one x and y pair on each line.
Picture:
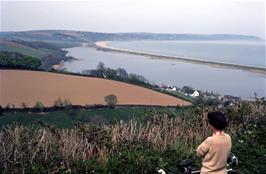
x,y
38,51
67,118
23,50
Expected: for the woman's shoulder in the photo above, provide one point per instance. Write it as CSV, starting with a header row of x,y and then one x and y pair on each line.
x,y
208,140
227,135
214,137
218,138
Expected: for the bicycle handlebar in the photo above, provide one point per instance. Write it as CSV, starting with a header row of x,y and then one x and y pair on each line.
x,y
186,166
233,159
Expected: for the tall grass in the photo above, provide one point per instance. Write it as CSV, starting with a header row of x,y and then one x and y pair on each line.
x,y
49,149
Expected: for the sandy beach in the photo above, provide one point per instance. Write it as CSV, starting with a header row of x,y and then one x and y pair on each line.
x,y
18,86
104,46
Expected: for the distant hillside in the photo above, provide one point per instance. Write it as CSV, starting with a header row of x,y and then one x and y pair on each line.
x,y
49,52
47,44
81,36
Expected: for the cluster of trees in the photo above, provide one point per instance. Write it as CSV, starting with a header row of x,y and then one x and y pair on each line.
x,y
117,74
17,60
39,106
187,89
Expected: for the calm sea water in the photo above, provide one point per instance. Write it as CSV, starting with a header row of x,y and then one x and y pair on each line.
x,y
237,52
224,81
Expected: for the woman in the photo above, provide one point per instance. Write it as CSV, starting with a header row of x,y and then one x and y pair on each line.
x,y
216,148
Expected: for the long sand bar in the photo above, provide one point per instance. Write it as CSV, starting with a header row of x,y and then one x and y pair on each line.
x,y
104,46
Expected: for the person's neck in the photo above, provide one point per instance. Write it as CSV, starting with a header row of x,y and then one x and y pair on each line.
x,y
218,132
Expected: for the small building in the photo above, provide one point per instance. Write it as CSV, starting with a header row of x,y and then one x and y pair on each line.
x,y
171,88
195,94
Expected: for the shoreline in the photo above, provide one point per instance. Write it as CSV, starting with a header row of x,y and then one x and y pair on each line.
x,y
103,45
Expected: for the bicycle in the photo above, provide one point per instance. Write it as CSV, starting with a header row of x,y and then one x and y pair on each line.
x,y
186,167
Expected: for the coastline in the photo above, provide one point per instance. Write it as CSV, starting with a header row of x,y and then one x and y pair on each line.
x,y
103,45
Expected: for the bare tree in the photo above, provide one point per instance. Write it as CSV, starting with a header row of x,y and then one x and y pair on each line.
x,y
111,101
67,103
59,103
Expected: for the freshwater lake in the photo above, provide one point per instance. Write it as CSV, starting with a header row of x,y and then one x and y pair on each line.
x,y
203,77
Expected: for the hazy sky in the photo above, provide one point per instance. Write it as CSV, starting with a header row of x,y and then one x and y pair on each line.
x,y
161,16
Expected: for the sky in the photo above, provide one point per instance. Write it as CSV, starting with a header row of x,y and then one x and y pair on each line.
x,y
158,16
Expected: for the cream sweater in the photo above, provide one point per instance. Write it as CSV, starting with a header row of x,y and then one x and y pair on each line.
x,y
215,150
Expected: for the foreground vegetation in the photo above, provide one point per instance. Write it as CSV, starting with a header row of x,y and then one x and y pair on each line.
x,y
68,118
159,140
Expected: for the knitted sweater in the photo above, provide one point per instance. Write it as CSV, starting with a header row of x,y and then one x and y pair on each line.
x,y
215,150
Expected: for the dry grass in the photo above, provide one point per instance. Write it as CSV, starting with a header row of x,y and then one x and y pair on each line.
x,y
20,145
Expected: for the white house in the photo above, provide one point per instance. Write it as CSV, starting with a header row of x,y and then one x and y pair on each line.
x,y
171,88
195,94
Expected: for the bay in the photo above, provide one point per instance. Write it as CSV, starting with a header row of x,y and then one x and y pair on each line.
x,y
251,53
203,77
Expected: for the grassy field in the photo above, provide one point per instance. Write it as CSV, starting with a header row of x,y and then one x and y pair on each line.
x,y
34,50
11,47
68,118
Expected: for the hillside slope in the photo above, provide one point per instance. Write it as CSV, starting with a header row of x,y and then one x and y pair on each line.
x,y
19,86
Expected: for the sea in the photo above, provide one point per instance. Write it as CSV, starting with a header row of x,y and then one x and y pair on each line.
x,y
225,81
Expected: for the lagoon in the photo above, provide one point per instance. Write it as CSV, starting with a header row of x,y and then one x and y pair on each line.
x,y
203,77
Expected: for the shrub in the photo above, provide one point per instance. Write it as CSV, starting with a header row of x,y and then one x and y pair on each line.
x,y
111,101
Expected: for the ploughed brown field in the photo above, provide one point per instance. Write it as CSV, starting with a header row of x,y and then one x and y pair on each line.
x,y
19,86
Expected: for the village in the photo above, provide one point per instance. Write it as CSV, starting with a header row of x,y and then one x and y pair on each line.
x,y
208,97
